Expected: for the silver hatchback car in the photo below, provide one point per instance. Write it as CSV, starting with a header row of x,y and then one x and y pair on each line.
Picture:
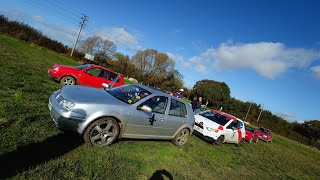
x,y
130,111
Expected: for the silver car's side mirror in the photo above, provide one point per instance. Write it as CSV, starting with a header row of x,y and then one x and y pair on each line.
x,y
105,85
146,108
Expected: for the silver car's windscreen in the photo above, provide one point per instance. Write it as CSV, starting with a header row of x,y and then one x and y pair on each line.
x,y
129,93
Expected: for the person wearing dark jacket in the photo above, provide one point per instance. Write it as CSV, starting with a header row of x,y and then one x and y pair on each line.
x,y
194,103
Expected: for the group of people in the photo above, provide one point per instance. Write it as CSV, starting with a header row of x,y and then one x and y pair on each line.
x,y
196,104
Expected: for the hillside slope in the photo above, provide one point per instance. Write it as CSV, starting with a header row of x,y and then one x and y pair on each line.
x,y
32,147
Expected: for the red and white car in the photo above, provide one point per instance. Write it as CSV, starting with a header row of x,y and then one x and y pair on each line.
x,y
265,134
86,75
219,127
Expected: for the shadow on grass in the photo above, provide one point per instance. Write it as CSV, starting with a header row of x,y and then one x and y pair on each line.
x,y
26,157
160,174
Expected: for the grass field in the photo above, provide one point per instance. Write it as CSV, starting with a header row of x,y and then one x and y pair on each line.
x,y
32,148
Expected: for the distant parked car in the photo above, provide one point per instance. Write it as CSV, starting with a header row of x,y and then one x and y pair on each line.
x,y
265,134
219,127
86,75
129,111
251,135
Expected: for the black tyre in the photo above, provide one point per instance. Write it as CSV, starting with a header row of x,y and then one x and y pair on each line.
x,y
68,80
219,141
102,132
240,143
181,138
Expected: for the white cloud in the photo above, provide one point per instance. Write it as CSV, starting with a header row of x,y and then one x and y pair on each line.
x,y
316,71
177,30
286,116
266,58
175,58
121,38
56,31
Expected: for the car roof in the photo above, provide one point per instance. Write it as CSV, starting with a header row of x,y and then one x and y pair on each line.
x,y
158,92
152,90
225,114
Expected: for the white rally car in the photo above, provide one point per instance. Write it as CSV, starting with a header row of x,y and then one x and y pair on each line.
x,y
219,127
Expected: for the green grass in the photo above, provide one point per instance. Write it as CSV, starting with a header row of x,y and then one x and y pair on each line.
x,y
32,148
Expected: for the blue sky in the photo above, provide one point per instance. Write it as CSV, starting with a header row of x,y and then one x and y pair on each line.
x,y
267,51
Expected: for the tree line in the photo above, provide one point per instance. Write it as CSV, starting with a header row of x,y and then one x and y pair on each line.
x,y
156,69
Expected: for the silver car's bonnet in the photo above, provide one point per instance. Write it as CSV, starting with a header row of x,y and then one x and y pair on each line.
x,y
83,94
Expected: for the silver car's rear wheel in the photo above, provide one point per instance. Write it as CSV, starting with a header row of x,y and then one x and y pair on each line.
x,y
67,80
181,138
102,132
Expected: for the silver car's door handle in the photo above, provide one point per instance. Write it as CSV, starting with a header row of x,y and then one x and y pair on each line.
x,y
162,119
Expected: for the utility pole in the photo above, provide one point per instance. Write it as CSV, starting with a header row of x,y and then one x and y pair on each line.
x,y
84,19
259,114
248,111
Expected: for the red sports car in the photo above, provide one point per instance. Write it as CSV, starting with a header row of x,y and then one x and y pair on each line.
x,y
86,75
265,134
251,135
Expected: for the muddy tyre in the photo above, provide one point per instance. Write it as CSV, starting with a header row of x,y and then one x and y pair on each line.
x,y
102,132
181,138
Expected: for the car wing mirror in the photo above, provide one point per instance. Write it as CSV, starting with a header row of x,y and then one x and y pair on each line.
x,y
145,108
105,85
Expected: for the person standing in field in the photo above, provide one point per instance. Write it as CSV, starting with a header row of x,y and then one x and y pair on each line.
x,y
194,103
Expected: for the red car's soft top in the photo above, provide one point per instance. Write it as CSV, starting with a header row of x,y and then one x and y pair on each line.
x,y
224,114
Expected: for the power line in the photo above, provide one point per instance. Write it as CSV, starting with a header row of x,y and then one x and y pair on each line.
x,y
71,11
59,10
62,4
51,11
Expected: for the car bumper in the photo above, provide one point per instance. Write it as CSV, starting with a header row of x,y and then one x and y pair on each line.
x,y
65,120
206,138
53,78
264,139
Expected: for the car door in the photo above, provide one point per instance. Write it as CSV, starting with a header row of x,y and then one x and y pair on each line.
x,y
231,132
241,130
92,77
148,124
177,116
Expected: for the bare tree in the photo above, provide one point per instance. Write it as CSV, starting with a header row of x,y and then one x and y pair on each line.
x,y
152,63
101,48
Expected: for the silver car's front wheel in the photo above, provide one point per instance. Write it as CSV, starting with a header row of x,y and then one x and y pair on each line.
x,y
102,132
181,138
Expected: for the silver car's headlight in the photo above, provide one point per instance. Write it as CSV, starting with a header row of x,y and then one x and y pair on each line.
x,y
67,105
209,128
